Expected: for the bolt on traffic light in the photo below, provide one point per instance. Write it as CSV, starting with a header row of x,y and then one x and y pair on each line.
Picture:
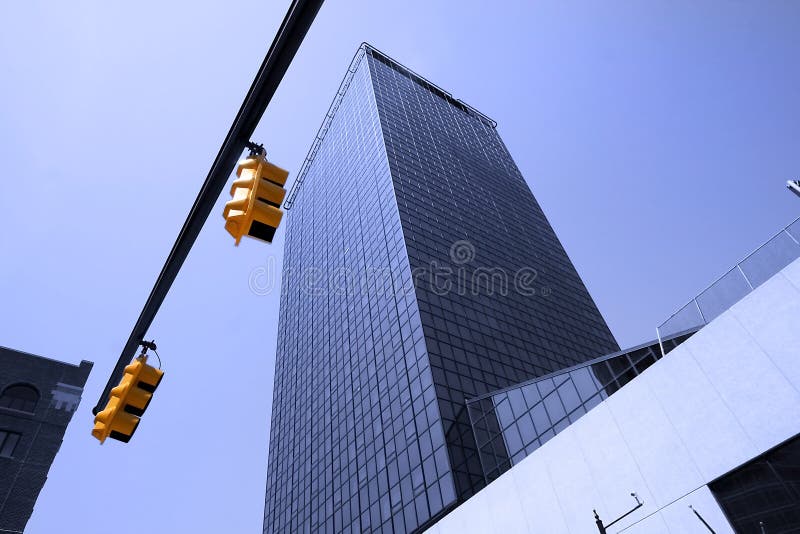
x,y
257,196
127,402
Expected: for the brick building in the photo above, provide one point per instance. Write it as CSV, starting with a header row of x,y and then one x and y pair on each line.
x,y
37,399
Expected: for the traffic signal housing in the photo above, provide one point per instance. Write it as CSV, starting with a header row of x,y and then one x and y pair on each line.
x,y
257,194
127,402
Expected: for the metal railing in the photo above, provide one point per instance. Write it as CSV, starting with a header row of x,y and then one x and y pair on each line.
x,y
755,269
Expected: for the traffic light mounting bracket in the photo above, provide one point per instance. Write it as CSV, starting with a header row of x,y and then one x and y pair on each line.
x,y
256,149
151,345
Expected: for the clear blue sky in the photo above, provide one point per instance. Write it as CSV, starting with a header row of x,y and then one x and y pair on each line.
x,y
656,135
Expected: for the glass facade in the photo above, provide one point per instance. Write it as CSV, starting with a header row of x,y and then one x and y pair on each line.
x,y
418,271
510,424
472,227
357,444
764,494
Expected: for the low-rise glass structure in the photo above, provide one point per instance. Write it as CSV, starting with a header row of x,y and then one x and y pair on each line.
x,y
511,423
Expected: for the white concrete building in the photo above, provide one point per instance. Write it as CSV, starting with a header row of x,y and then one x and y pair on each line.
x,y
727,395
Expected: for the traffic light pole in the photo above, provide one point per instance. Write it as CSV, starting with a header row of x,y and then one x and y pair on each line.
x,y
293,29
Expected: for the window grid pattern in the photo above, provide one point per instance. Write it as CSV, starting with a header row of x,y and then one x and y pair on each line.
x,y
511,424
455,181
22,397
764,494
357,443
370,431
8,442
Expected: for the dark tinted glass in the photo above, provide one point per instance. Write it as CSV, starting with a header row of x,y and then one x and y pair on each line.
x,y
764,495
376,357
8,442
20,397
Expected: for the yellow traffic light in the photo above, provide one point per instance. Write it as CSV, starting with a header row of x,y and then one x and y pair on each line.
x,y
127,402
257,195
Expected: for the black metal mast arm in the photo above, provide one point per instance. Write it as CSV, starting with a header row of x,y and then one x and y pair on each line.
x,y
290,35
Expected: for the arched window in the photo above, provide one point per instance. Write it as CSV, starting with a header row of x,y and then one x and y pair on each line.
x,y
22,397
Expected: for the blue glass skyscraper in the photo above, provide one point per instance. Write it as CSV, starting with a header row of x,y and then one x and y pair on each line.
x,y
419,271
